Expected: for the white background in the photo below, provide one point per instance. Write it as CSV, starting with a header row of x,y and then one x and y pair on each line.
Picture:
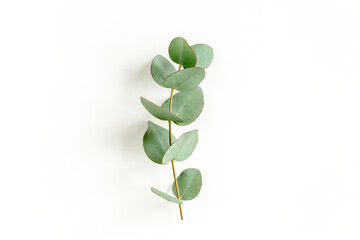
x,y
279,135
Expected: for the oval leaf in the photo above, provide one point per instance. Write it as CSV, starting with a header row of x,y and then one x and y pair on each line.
x,y
204,54
189,183
160,69
186,105
165,196
185,80
156,142
181,53
159,112
182,148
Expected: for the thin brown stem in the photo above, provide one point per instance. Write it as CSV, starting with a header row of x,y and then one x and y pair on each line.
x,y
177,188
172,161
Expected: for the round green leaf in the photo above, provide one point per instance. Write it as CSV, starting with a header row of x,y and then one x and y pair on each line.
x,y
181,53
186,105
186,79
159,112
165,196
156,142
189,183
160,69
182,148
204,54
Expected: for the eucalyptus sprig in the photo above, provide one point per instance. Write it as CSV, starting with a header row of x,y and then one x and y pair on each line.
x,y
182,108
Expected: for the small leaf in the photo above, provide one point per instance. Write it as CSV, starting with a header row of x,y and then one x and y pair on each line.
x,y
185,80
186,105
189,183
156,142
204,54
181,53
181,148
160,69
166,197
159,112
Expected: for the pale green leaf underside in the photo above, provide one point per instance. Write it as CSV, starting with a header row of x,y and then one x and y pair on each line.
x,y
189,183
160,69
182,148
165,196
181,52
156,142
186,79
204,54
159,112
186,105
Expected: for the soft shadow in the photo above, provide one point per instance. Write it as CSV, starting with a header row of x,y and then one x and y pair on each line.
x,y
138,78
135,166
132,128
131,139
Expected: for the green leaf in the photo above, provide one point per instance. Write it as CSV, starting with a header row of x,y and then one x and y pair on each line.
x,y
186,105
156,142
159,112
189,183
186,79
204,54
160,69
165,196
182,148
181,53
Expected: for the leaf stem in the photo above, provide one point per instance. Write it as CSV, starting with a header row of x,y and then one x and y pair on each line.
x,y
172,161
